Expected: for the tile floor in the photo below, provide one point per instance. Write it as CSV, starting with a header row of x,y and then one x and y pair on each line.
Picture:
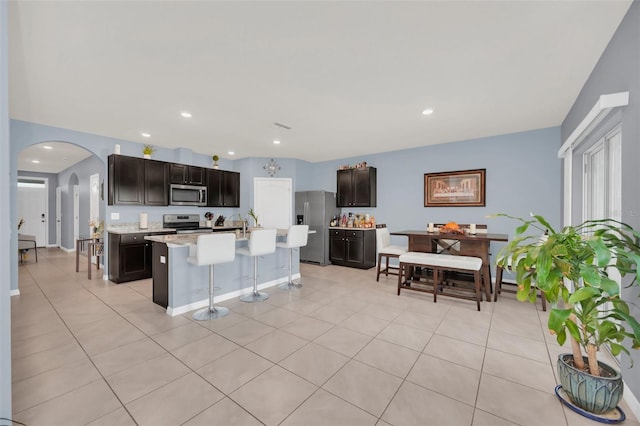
x,y
342,350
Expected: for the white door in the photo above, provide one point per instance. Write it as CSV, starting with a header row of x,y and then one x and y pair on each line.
x,y
58,216
32,208
76,213
273,202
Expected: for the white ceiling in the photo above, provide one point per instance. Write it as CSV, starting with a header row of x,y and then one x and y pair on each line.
x,y
59,157
349,78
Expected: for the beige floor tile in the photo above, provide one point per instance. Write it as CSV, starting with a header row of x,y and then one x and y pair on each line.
x,y
277,317
382,311
225,322
127,356
140,379
323,409
180,336
276,345
281,298
462,331
307,328
365,324
518,403
457,351
518,345
418,320
251,309
50,359
225,412
351,303
388,357
409,337
77,407
53,383
482,418
33,345
175,402
366,387
342,340
119,417
246,331
506,324
433,408
302,306
154,322
449,379
332,314
102,336
203,351
538,375
273,395
234,369
314,363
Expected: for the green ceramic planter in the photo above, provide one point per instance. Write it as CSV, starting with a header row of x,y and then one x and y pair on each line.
x,y
594,394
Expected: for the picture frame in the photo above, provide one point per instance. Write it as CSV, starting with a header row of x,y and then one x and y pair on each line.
x,y
462,188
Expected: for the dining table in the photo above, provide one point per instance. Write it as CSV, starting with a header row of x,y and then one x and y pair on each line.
x,y
477,245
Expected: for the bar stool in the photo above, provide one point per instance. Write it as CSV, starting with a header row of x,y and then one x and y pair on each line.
x,y
212,249
297,236
261,241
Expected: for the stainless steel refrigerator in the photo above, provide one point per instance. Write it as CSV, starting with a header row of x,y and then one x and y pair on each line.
x,y
316,209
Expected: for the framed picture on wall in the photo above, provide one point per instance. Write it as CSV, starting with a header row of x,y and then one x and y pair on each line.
x,y
464,188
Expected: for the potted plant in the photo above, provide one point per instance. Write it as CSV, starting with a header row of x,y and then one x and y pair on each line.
x,y
209,217
148,150
215,161
573,268
255,217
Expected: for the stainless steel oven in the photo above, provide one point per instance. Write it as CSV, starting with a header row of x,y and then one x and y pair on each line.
x,y
187,195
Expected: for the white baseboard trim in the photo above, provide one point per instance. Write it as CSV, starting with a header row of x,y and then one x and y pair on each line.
x,y
631,400
179,310
73,250
15,292
51,246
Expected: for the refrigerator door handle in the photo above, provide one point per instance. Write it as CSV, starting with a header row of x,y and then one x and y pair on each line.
x,y
305,212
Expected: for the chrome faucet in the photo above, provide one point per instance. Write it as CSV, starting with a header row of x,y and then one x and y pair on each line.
x,y
244,229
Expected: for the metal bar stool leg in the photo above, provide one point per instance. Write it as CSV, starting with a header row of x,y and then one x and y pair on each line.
x,y
290,284
255,295
210,312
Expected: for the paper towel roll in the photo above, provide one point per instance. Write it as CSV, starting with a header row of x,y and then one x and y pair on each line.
x,y
143,221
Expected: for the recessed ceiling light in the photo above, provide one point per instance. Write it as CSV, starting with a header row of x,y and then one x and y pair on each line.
x,y
276,142
35,161
427,111
231,153
145,135
47,147
186,114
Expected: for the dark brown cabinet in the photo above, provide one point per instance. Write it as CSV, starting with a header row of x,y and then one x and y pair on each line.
x,y
129,257
136,181
353,248
126,180
189,175
155,183
357,187
223,188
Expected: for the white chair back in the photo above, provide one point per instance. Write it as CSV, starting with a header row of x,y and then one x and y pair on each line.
x,y
297,236
262,241
215,248
383,238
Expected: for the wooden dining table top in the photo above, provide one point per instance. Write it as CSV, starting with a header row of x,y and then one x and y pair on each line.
x,y
449,236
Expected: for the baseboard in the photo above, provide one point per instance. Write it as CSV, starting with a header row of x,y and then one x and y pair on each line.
x,y
72,250
51,246
15,292
631,400
179,310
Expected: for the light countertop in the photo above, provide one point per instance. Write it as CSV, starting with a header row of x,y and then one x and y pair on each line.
x,y
344,228
176,240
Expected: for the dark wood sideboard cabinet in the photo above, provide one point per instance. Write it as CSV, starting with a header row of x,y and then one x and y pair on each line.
x,y
129,257
354,248
357,187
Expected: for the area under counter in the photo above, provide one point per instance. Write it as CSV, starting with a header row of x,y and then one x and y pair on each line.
x,y
181,287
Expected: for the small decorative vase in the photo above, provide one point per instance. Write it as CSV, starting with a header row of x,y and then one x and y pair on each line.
x,y
215,165
208,223
594,394
146,155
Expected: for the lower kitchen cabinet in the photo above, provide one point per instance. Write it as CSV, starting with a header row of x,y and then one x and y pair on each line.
x,y
129,257
353,248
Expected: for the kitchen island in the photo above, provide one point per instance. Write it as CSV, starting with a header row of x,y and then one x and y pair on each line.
x,y
182,287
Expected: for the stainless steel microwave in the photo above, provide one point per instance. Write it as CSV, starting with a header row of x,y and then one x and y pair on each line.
x,y
187,195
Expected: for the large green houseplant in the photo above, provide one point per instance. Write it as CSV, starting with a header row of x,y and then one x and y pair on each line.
x,y
573,268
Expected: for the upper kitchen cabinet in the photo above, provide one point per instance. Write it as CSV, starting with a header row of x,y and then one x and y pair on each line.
x,y
155,183
357,187
135,181
189,175
223,188
126,180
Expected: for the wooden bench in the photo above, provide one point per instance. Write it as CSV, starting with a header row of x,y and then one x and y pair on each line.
x,y
439,263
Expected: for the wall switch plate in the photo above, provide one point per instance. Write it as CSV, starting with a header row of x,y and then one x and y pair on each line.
x,y
115,216
163,259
